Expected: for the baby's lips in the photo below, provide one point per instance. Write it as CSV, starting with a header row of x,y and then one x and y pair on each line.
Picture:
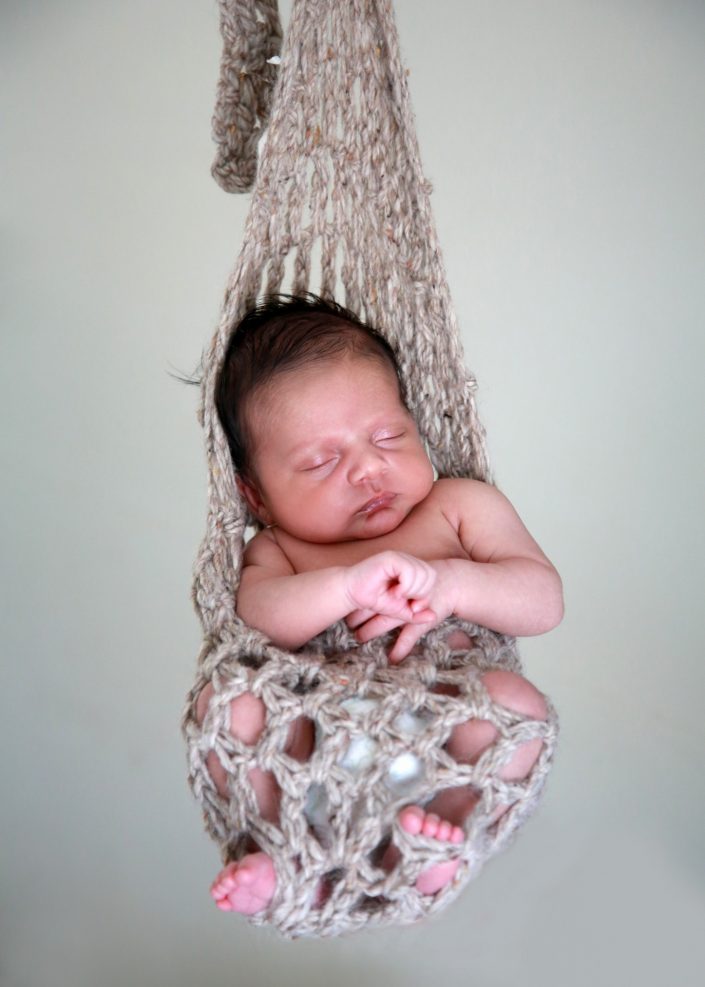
x,y
377,503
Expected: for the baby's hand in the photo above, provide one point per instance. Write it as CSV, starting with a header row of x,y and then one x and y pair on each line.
x,y
390,584
439,603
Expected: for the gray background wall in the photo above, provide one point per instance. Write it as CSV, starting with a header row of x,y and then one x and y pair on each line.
x,y
566,143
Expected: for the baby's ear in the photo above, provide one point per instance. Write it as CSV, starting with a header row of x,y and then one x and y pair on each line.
x,y
252,496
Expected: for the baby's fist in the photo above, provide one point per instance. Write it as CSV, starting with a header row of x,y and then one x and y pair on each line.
x,y
391,583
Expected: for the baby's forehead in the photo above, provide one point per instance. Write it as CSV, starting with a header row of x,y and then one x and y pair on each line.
x,y
360,387
289,382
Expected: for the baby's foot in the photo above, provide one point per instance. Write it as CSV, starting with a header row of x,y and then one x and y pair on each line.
x,y
414,820
245,886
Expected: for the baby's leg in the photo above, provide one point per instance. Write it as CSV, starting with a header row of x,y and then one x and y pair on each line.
x,y
248,885
443,818
470,740
247,720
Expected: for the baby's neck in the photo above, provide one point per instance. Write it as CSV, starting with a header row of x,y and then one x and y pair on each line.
x,y
424,533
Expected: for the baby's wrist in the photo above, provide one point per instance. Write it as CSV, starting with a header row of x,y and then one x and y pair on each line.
x,y
345,587
448,583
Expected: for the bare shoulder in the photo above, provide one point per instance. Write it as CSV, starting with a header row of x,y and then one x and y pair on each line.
x,y
487,523
459,494
264,553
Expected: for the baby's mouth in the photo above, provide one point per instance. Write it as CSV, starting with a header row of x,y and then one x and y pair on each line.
x,y
377,503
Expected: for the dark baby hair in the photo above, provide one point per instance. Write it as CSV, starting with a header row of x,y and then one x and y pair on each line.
x,y
281,334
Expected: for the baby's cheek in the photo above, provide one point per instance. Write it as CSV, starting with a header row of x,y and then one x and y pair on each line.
x,y
422,472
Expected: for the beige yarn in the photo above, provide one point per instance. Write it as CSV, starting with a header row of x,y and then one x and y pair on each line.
x,y
340,205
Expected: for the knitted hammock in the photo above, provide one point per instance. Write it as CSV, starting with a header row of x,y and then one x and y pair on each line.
x,y
329,141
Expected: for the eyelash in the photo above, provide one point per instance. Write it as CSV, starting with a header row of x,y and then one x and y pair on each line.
x,y
318,466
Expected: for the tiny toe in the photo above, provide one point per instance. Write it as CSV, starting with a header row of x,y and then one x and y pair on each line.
x,y
411,819
225,881
220,891
430,825
457,835
444,830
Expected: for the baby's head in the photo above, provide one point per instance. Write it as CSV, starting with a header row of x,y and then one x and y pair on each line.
x,y
286,335
312,404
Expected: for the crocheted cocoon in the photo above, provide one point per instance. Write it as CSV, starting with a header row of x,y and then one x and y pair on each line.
x,y
340,203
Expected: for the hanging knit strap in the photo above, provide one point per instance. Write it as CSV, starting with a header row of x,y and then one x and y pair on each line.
x,y
251,38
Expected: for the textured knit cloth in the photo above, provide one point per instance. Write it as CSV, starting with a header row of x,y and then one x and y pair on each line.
x,y
340,206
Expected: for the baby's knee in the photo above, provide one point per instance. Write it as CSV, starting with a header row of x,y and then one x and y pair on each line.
x,y
514,692
246,722
247,714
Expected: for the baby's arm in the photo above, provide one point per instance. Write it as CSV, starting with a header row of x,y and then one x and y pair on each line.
x,y
506,583
291,608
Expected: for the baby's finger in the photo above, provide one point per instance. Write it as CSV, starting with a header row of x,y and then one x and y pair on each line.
x,y
375,627
425,616
407,638
358,617
418,581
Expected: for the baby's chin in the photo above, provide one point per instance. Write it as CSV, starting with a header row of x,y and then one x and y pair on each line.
x,y
379,523
363,532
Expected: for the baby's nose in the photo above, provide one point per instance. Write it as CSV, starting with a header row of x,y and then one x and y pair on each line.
x,y
368,466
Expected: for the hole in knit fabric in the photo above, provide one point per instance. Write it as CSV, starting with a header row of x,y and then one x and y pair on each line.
x,y
302,739
305,685
371,904
377,855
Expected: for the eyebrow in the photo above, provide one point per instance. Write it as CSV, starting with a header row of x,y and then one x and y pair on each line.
x,y
303,449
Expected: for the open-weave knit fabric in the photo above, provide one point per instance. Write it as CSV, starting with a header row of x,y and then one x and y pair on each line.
x,y
340,206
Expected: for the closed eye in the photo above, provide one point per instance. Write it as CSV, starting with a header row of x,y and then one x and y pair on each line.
x,y
319,467
390,438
